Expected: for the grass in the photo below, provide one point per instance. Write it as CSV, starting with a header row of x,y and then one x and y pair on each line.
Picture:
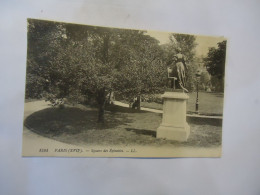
x,y
124,126
209,103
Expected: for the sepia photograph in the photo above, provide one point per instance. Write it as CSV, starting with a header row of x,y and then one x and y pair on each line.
x,y
95,91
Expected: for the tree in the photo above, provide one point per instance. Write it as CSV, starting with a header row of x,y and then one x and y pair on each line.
x,y
93,61
215,60
215,63
43,40
142,71
84,69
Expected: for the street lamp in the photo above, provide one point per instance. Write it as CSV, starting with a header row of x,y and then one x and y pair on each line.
x,y
198,74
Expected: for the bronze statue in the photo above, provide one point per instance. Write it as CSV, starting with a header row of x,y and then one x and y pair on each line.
x,y
178,71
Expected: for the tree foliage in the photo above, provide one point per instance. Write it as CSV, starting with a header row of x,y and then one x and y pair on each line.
x,y
141,69
215,63
67,60
215,60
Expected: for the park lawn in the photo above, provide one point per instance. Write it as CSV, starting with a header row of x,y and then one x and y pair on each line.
x,y
124,127
209,103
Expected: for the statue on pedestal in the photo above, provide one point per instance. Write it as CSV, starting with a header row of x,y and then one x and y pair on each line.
x,y
174,125
178,72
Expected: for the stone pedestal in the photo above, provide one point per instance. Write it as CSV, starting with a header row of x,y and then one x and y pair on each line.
x,y
174,125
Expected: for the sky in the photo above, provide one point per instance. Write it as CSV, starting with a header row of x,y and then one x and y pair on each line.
x,y
204,42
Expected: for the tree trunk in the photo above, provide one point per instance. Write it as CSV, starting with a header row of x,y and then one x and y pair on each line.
x,y
138,102
101,99
101,113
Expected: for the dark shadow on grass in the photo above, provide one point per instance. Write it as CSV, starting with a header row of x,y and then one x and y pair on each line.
x,y
204,121
55,121
218,94
203,113
142,131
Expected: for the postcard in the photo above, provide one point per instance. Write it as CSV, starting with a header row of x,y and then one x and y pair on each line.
x,y
110,92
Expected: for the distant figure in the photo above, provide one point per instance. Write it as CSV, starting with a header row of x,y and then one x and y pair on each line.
x,y
208,89
110,98
134,103
181,69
